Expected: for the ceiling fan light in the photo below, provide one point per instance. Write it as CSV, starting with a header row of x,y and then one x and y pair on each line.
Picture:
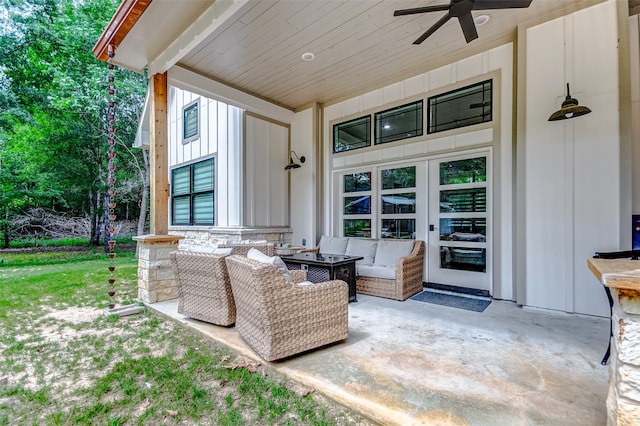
x,y
481,20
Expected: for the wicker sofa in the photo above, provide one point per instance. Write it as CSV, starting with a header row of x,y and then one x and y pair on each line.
x,y
279,318
390,268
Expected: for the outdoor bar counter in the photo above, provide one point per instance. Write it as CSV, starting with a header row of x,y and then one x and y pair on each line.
x,y
623,279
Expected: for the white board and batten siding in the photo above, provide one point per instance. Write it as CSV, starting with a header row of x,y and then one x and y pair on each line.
x,y
572,167
496,63
238,141
266,200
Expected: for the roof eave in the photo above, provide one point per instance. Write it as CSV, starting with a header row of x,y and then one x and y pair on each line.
x,y
122,22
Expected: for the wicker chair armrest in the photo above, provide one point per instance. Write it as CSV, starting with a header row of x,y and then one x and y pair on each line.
x,y
323,287
298,275
411,267
317,297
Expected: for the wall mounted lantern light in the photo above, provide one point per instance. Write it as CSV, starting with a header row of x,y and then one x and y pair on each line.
x,y
570,109
292,164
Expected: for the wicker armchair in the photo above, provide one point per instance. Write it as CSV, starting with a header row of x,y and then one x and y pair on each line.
x,y
205,289
243,248
279,319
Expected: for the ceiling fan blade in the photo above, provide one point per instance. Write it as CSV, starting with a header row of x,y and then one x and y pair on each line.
x,y
468,27
425,9
433,29
500,4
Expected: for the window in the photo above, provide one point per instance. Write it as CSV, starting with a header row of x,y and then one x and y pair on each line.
x,y
357,205
192,194
399,123
461,107
397,204
352,134
191,122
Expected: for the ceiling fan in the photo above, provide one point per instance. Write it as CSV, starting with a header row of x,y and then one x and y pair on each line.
x,y
461,9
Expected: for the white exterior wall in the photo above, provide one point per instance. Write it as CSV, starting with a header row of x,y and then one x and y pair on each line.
x,y
304,203
250,145
220,135
571,168
634,32
266,198
496,63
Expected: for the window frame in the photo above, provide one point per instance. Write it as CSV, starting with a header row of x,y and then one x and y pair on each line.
x,y
358,194
397,191
185,109
431,127
367,141
192,195
419,116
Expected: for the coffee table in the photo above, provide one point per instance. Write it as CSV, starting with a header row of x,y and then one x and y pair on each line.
x,y
325,267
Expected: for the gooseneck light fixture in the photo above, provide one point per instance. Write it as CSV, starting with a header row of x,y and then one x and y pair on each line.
x,y
570,109
292,164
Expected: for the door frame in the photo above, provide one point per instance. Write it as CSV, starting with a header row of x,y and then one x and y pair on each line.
x,y
451,277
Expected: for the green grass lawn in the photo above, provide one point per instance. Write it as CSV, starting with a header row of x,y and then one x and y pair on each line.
x,y
62,362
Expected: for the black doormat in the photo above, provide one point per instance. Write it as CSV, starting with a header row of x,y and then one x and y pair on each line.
x,y
452,301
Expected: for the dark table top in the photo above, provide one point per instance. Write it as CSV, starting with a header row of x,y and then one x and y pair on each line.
x,y
320,259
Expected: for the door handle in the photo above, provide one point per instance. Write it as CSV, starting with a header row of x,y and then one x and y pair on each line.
x,y
432,228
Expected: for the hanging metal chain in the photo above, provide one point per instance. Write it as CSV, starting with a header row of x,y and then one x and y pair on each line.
x,y
111,179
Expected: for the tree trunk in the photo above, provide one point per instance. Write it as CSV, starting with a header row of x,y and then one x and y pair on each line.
x,y
6,232
144,197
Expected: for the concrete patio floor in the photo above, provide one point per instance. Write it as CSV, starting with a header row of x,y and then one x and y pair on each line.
x,y
415,363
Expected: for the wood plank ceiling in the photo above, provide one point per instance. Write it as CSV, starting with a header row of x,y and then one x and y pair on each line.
x,y
358,45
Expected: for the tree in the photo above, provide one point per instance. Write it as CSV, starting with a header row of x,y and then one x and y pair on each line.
x,y
52,116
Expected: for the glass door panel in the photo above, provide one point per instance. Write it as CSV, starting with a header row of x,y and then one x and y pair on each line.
x,y
459,218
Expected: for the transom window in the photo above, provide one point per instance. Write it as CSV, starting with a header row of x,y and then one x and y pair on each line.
x,y
191,121
352,134
461,107
192,194
399,123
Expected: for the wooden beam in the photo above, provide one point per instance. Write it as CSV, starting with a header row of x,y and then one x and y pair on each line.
x,y
159,157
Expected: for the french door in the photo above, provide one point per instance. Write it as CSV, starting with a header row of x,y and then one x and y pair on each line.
x,y
459,225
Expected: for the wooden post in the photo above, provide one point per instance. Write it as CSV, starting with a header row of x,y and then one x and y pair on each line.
x,y
159,157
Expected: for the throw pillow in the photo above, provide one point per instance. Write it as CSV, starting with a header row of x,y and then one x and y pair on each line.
x,y
333,245
364,248
389,252
275,261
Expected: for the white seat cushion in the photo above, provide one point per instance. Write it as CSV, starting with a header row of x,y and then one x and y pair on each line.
x,y
275,261
304,283
388,252
223,251
333,245
210,250
364,248
386,272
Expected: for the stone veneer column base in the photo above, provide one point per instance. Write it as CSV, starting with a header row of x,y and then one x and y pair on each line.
x,y
623,403
156,280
